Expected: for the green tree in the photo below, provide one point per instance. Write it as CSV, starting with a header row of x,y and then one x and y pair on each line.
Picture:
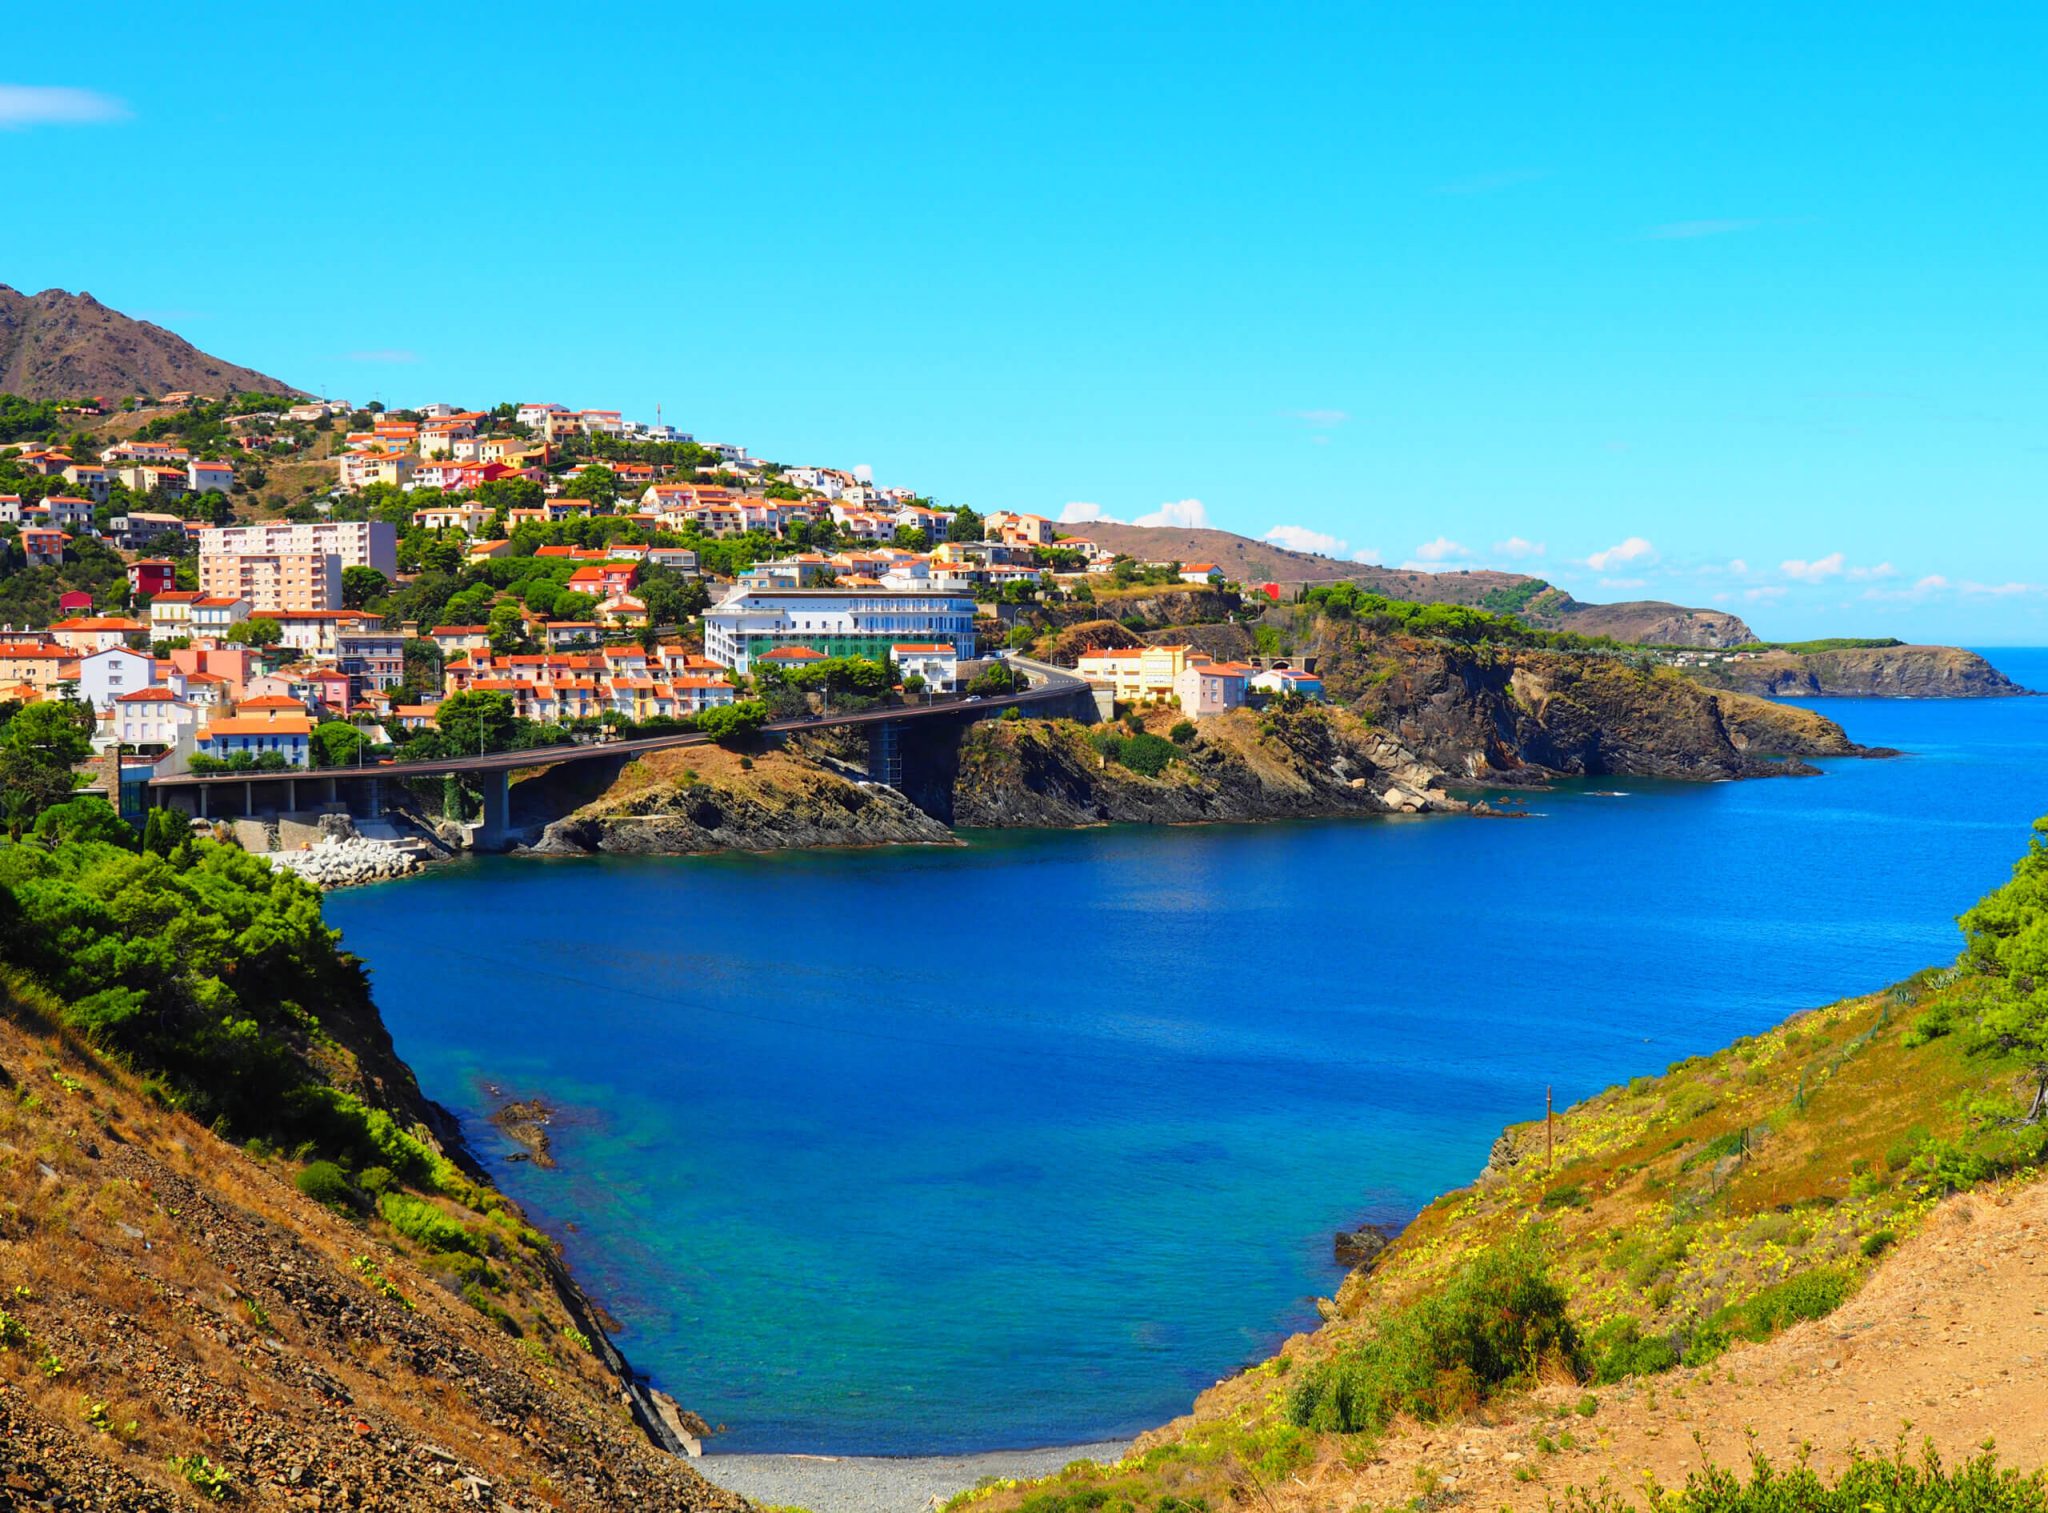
x,y
507,630
2007,942
733,722
257,630
598,484
967,526
476,721
362,585
336,743
39,747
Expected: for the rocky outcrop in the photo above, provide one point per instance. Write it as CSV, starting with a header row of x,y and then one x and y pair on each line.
x,y
1517,715
704,798
1757,727
1872,672
1245,765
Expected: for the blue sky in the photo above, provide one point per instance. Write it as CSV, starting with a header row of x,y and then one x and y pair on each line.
x,y
1736,305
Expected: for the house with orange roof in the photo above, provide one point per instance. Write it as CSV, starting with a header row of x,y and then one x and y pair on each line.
x,y
226,737
1206,686
209,477
154,716
937,662
42,546
88,633
1200,572
38,665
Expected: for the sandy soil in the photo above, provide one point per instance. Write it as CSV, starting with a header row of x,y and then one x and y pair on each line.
x,y
1950,1336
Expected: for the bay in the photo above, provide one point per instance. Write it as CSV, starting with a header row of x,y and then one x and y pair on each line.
x,y
1027,1141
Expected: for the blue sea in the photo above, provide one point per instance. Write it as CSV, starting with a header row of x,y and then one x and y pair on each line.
x,y
1028,1141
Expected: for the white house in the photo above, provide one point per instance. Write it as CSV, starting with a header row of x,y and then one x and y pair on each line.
x,y
151,717
103,676
1288,680
848,622
934,661
209,477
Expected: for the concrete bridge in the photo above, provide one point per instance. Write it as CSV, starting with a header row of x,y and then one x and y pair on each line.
x,y
363,790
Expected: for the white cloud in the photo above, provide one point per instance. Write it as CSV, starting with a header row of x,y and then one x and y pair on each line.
x,y
1738,567
1299,538
1369,554
54,105
1998,590
864,472
1734,567
1833,565
1322,417
1775,591
1817,571
1516,547
1635,549
1443,549
1079,512
1624,582
1189,514
1685,231
1932,582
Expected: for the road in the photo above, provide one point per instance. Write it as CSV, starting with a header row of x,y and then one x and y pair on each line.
x,y
1054,683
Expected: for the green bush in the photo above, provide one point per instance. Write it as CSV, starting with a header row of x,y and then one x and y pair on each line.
x,y
1805,1295
1619,1350
1891,1484
325,1182
1492,1324
1932,1025
421,1221
1875,1245
1570,1195
1183,732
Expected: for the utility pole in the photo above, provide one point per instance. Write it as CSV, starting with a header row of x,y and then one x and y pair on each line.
x,y
1549,1131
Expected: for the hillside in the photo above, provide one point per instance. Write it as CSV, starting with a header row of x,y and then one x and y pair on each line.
x,y
1646,621
332,1309
57,345
1823,1236
1881,672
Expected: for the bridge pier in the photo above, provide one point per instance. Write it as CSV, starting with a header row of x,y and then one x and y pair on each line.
x,y
885,753
495,833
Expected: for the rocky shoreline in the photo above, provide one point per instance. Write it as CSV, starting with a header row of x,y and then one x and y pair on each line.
x,y
346,862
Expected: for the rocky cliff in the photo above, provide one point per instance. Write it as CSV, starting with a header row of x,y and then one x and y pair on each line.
x,y
1511,715
1245,765
1878,672
705,798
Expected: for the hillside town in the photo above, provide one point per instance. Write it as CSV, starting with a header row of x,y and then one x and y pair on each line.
x,y
569,572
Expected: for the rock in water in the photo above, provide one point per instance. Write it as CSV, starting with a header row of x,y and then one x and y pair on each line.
x,y
1359,1247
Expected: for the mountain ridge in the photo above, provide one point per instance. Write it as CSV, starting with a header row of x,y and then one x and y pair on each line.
x,y
1539,602
59,345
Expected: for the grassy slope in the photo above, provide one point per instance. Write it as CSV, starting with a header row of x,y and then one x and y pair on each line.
x,y
172,1295
1674,1201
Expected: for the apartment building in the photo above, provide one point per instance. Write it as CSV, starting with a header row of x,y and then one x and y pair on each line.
x,y
358,543
863,622
292,581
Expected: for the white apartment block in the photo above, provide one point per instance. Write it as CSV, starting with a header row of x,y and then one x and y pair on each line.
x,y
358,543
837,622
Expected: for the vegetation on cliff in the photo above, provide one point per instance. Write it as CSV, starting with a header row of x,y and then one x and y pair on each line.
x,y
244,1257
1659,1227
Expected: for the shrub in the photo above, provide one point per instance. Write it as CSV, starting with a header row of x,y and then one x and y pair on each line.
x,y
208,1480
1149,754
1932,1025
1183,732
1805,1295
1493,1324
421,1221
325,1182
1875,1245
1618,1350
1891,1483
1570,1195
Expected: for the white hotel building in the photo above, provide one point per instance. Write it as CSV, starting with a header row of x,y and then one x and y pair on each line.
x,y
852,622
358,543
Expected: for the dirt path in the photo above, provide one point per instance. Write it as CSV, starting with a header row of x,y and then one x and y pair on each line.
x,y
1950,1336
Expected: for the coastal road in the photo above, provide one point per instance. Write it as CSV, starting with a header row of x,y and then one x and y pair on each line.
x,y
1052,684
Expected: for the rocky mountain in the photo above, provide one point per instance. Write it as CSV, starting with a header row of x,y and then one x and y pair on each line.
x,y
57,345
1876,672
1647,621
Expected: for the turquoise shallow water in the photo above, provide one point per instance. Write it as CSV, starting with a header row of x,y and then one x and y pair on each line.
x,y
1025,1142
